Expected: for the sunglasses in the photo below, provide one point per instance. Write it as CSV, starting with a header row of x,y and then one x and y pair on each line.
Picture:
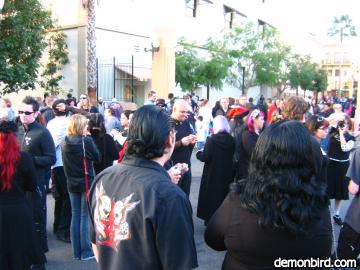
x,y
24,112
255,114
320,119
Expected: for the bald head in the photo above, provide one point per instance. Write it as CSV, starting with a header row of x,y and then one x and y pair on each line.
x,y
180,110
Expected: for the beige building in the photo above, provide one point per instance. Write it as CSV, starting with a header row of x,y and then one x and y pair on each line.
x,y
341,69
136,42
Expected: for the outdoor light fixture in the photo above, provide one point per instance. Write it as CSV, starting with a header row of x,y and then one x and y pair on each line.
x,y
84,3
155,47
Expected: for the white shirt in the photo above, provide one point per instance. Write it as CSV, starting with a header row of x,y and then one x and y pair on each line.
x,y
57,128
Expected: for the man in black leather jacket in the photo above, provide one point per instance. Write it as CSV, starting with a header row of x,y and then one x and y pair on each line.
x,y
36,140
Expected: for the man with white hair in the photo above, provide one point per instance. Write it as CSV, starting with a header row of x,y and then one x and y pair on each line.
x,y
185,141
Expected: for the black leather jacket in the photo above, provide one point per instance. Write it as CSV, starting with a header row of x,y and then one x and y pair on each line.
x,y
37,141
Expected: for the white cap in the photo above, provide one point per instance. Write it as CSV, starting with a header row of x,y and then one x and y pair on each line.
x,y
114,99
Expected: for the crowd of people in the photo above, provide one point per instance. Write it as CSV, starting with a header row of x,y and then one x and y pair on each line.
x,y
121,180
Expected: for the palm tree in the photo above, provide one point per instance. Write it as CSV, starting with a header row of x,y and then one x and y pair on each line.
x,y
91,51
343,27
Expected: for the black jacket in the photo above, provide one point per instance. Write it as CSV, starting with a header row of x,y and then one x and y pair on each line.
x,y
72,156
252,246
182,154
140,220
107,147
245,144
37,141
47,113
217,173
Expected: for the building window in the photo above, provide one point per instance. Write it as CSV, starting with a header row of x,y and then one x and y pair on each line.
x,y
233,18
192,6
329,72
337,72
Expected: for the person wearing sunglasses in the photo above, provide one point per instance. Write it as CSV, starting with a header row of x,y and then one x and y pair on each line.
x,y
318,127
37,141
84,104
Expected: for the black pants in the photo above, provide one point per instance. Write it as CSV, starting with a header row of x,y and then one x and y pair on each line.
x,y
62,210
185,182
37,202
349,243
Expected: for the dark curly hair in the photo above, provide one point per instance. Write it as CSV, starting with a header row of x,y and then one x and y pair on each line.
x,y
281,187
148,130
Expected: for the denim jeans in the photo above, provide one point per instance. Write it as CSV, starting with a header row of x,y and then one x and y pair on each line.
x,y
79,228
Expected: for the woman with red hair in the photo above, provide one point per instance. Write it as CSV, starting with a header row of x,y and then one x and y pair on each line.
x,y
19,248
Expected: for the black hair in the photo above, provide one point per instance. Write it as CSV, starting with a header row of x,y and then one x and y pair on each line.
x,y
29,100
160,102
315,122
97,125
8,126
55,110
148,130
127,113
69,100
281,188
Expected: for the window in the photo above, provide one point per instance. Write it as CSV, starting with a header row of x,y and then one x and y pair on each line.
x,y
192,6
337,72
330,72
233,18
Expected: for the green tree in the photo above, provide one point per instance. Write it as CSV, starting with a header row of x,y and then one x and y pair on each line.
x,y
57,58
320,81
307,75
213,71
187,64
342,26
23,27
210,70
272,68
249,48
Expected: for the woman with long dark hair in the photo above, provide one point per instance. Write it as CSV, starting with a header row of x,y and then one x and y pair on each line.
x,y
104,142
280,210
19,247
